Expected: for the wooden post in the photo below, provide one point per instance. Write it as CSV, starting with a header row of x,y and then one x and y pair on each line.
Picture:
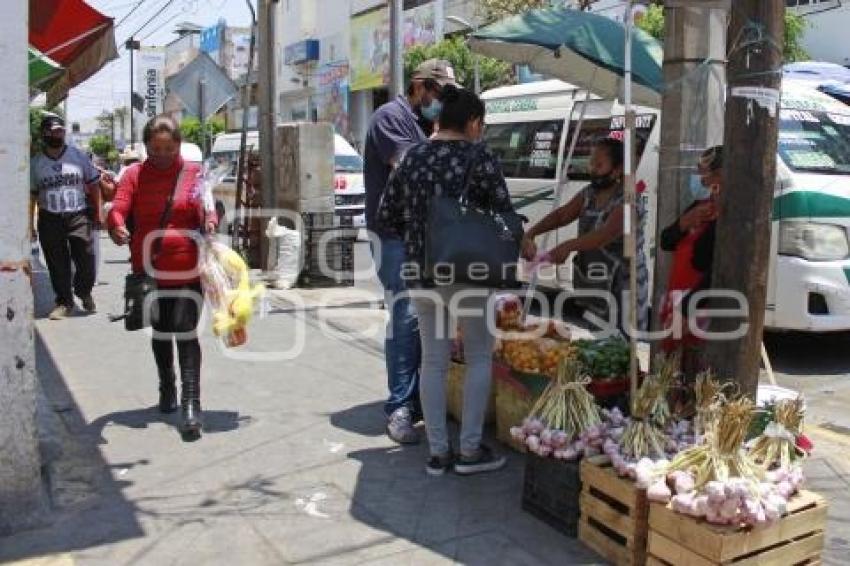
x,y
742,247
691,112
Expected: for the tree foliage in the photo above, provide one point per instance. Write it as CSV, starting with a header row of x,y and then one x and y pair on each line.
x,y
493,72
796,25
191,130
101,145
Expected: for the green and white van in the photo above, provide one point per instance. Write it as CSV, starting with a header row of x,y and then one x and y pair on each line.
x,y
530,127
809,283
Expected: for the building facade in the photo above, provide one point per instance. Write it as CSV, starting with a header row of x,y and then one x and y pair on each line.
x,y
333,56
828,21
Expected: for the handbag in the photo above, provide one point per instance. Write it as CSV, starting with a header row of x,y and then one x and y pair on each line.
x,y
140,310
471,246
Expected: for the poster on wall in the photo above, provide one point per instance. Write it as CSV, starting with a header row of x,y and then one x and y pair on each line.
x,y
370,50
241,54
332,97
149,85
420,25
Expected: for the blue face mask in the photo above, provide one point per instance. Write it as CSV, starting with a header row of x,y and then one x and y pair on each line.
x,y
698,191
432,111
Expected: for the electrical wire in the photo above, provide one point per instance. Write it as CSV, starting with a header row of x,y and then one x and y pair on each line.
x,y
130,13
151,19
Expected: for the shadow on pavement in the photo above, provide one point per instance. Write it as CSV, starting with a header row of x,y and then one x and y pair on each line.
x,y
809,354
470,520
367,420
214,421
88,505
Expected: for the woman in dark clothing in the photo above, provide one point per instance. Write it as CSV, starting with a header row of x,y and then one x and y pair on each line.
x,y
143,194
442,166
691,240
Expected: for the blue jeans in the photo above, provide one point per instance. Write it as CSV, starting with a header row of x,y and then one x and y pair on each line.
x,y
402,348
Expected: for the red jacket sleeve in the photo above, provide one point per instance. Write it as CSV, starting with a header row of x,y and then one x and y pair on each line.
x,y
122,204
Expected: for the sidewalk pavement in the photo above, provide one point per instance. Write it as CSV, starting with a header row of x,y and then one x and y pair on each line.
x,y
294,467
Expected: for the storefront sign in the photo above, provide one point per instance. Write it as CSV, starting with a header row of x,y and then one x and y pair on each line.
x,y
302,52
420,25
332,96
370,50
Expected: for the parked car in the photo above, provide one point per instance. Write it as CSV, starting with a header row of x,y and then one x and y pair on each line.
x,y
349,188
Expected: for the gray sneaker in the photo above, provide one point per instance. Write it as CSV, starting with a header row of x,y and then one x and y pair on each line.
x,y
60,312
483,461
400,427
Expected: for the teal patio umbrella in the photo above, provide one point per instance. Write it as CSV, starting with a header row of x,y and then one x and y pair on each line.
x,y
581,48
43,71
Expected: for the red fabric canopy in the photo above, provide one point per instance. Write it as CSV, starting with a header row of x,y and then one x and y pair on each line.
x,y
73,34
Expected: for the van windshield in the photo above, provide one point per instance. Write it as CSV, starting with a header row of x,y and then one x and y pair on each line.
x,y
348,164
526,150
815,142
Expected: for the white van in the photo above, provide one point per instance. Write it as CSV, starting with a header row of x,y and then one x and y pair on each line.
x,y
809,284
530,127
349,189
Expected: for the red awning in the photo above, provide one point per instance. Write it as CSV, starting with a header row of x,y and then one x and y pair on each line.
x,y
76,36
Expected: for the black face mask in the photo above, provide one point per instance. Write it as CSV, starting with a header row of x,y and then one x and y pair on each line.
x,y
53,143
601,182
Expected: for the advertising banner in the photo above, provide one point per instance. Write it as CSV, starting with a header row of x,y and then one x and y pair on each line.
x,y
332,96
148,85
370,50
420,25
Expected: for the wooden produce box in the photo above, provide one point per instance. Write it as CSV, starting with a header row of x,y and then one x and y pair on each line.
x,y
454,394
614,514
796,539
551,492
514,401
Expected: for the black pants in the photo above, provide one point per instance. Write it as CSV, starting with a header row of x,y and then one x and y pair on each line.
x,y
179,312
66,238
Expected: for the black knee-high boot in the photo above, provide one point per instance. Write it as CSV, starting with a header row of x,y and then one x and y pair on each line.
x,y
163,353
189,352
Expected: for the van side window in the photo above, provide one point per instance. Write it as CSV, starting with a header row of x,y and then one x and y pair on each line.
x,y
526,150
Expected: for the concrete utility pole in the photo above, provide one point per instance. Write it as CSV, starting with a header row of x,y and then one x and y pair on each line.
x,y
692,109
742,248
22,500
267,119
396,47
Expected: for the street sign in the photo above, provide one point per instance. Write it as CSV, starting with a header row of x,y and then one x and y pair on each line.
x,y
202,86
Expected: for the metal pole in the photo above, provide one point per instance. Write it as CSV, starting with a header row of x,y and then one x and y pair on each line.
x,y
396,47
630,213
202,114
130,47
243,141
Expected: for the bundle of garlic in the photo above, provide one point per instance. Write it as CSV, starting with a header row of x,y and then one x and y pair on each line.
x,y
565,404
721,456
735,501
642,437
665,377
677,436
544,441
709,393
777,445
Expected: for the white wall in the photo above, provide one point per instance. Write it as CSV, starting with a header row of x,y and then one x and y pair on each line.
x,y
21,497
826,38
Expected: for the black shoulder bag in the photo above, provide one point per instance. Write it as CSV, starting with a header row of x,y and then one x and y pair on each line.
x,y
139,286
470,246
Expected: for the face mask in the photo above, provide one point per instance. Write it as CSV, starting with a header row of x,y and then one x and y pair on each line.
x,y
432,111
698,191
600,182
161,162
53,143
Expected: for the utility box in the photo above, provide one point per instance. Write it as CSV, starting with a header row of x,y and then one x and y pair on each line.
x,y
305,162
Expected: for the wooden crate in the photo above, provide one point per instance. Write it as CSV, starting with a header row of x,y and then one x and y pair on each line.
x,y
796,539
614,514
454,394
